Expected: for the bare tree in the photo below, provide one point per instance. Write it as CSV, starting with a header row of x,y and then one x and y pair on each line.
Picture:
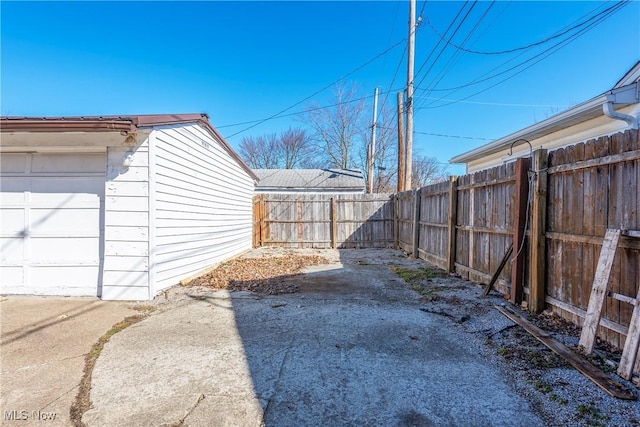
x,y
260,152
427,170
297,149
337,129
292,148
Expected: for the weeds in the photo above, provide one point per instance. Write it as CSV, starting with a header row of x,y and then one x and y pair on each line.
x,y
542,386
558,399
592,415
82,402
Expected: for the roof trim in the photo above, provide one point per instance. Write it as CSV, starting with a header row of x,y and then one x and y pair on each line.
x,y
580,113
113,123
632,76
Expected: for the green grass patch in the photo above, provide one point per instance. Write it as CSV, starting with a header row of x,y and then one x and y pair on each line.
x,y
422,273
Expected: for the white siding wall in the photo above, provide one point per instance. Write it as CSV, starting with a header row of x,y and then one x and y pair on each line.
x,y
203,204
126,247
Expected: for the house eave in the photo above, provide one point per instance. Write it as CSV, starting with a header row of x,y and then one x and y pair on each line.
x,y
581,113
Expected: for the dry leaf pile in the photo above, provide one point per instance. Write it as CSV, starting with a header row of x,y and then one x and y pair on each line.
x,y
262,275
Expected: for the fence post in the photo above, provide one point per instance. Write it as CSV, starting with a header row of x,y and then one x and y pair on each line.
x,y
263,216
334,225
520,219
396,222
416,225
538,244
452,222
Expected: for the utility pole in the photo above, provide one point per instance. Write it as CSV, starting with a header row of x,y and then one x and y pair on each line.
x,y
410,66
372,146
401,158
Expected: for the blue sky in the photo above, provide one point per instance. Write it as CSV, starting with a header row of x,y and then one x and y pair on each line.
x,y
243,61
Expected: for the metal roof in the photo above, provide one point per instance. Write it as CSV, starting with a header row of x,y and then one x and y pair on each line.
x,y
310,179
113,123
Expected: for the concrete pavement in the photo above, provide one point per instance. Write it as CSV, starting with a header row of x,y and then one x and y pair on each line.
x,y
352,348
43,344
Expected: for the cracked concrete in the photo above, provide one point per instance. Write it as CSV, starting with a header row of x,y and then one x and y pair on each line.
x,y
352,348
43,344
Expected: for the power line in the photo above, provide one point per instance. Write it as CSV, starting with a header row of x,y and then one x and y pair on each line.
x,y
454,136
548,52
308,110
609,11
499,104
439,41
464,18
443,135
323,89
455,57
529,46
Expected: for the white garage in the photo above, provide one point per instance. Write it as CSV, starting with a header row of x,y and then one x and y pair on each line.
x,y
117,207
50,211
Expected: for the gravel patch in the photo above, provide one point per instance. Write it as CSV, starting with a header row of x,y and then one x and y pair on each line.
x,y
559,394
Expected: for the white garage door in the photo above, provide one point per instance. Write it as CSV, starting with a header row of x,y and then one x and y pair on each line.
x,y
51,223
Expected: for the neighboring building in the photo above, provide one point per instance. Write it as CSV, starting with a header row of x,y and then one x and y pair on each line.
x,y
614,111
117,207
310,181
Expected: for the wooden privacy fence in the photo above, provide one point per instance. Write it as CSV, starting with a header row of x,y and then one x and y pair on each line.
x,y
319,221
554,209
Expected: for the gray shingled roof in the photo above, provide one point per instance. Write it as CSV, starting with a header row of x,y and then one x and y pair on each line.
x,y
325,180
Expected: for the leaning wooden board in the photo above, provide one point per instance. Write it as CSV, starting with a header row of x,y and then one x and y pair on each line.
x,y
602,380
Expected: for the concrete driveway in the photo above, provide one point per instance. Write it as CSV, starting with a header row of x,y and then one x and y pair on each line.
x,y
43,342
353,348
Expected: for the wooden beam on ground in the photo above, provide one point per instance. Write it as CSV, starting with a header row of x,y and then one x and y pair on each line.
x,y
520,219
599,289
451,223
602,380
494,279
538,245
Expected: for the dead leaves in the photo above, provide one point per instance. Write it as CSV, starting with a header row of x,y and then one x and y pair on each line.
x,y
262,275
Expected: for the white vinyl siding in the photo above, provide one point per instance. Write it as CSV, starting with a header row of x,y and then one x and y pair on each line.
x,y
51,225
126,246
202,204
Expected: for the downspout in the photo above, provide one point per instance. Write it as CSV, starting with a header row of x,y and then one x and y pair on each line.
x,y
608,110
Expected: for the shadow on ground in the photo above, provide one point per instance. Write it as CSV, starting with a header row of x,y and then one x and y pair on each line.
x,y
351,348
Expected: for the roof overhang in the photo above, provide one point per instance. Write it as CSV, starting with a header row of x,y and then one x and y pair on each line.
x,y
622,96
90,133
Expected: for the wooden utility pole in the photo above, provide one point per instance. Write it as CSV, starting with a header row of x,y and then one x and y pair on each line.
x,y
372,147
401,159
410,65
